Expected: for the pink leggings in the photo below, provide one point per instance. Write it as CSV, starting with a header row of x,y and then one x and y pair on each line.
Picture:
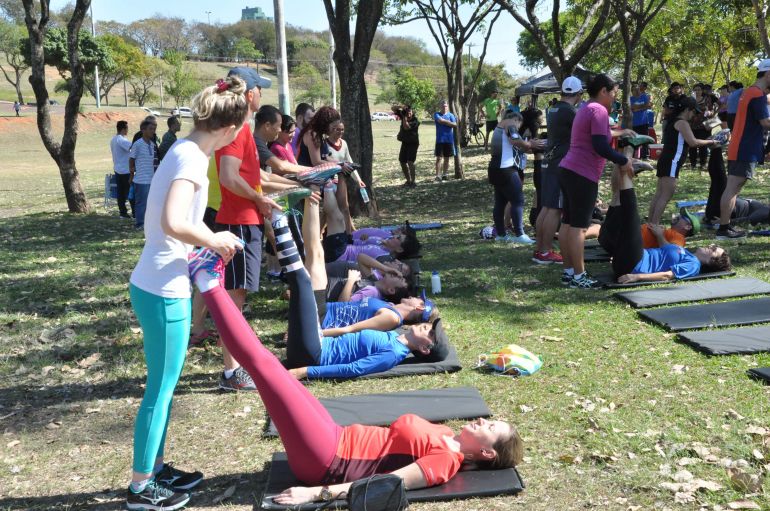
x,y
309,434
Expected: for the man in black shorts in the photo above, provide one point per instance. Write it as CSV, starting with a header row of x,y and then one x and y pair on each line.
x,y
560,117
446,122
492,109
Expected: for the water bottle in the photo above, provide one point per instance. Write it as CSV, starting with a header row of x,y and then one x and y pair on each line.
x,y
364,195
435,283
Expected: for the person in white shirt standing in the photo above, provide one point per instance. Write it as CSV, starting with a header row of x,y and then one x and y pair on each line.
x,y
120,146
142,162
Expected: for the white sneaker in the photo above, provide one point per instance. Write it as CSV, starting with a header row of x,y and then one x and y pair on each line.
x,y
523,240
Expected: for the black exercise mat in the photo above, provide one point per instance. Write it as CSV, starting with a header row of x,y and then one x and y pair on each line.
x,y
435,405
608,279
596,255
464,485
739,312
733,341
709,290
412,365
760,373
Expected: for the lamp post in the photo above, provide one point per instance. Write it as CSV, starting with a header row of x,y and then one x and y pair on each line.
x,y
208,13
96,68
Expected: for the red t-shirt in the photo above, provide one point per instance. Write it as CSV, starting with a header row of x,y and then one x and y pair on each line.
x,y
234,209
366,450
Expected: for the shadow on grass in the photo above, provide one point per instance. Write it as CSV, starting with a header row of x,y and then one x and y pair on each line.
x,y
248,492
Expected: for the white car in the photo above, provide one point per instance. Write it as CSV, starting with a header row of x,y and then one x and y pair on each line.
x,y
150,111
382,116
182,111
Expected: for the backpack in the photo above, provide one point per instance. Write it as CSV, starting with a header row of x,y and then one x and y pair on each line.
x,y
512,360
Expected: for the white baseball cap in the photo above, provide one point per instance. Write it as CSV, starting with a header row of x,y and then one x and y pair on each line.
x,y
572,85
764,65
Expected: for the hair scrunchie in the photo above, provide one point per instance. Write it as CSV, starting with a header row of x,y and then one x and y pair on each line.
x,y
222,85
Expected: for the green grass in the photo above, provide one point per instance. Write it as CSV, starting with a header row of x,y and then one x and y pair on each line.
x,y
610,407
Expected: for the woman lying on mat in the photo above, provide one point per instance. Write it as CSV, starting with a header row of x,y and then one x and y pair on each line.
x,y
321,453
621,237
311,354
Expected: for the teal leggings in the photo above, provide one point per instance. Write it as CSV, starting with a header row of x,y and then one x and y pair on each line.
x,y
166,326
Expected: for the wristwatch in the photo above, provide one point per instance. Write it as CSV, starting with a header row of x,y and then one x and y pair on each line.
x,y
326,495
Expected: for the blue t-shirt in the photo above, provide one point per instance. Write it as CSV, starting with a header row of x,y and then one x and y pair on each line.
x,y
668,257
747,143
640,116
732,101
444,133
359,353
339,314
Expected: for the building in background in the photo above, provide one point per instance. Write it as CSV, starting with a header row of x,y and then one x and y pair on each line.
x,y
254,13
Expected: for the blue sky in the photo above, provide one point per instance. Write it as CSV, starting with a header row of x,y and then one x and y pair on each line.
x,y
302,13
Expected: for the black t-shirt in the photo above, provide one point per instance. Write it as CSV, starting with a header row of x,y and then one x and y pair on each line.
x,y
560,118
409,136
263,152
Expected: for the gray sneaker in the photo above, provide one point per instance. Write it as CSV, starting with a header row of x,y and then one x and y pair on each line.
x,y
240,380
584,282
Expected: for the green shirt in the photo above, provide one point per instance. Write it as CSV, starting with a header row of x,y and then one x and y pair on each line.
x,y
491,107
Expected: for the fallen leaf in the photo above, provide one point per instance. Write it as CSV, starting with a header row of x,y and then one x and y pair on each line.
x,y
53,425
683,476
136,330
13,443
756,430
15,469
743,504
551,338
90,360
732,414
570,459
226,495
678,369
93,410
743,481
525,408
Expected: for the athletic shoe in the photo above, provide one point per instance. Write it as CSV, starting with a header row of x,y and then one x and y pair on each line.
x,y
240,380
178,480
156,497
730,233
584,282
566,278
549,257
205,259
523,240
318,175
202,337
290,196
641,166
508,238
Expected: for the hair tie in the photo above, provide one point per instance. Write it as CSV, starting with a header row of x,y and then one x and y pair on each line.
x,y
222,85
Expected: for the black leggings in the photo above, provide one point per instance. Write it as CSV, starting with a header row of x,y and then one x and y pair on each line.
x,y
304,337
718,177
699,154
621,234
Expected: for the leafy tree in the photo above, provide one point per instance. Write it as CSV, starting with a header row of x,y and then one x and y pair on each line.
x,y
317,94
160,34
409,90
147,77
91,52
762,10
127,60
11,37
63,153
182,83
451,30
560,51
245,50
13,10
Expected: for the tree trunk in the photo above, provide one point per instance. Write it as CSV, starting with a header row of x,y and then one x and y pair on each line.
x,y
17,85
761,11
62,153
354,102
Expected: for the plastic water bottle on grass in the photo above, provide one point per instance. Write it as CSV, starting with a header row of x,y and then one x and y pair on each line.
x,y
435,283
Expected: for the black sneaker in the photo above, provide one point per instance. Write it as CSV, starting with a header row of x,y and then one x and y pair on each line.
x,y
566,278
178,480
240,380
156,497
585,281
730,233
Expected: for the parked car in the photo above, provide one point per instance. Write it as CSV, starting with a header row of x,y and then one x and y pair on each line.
x,y
182,111
150,111
383,116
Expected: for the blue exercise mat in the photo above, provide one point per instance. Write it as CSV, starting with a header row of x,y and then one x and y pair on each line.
x,y
416,227
690,203
761,232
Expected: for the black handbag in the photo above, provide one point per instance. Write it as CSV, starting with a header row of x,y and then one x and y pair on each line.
x,y
380,492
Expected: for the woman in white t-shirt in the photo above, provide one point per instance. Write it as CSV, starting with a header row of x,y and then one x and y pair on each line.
x,y
160,284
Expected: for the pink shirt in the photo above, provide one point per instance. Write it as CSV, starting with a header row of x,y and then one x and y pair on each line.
x,y
283,152
592,119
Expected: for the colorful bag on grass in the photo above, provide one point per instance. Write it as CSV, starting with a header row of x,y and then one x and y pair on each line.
x,y
512,360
